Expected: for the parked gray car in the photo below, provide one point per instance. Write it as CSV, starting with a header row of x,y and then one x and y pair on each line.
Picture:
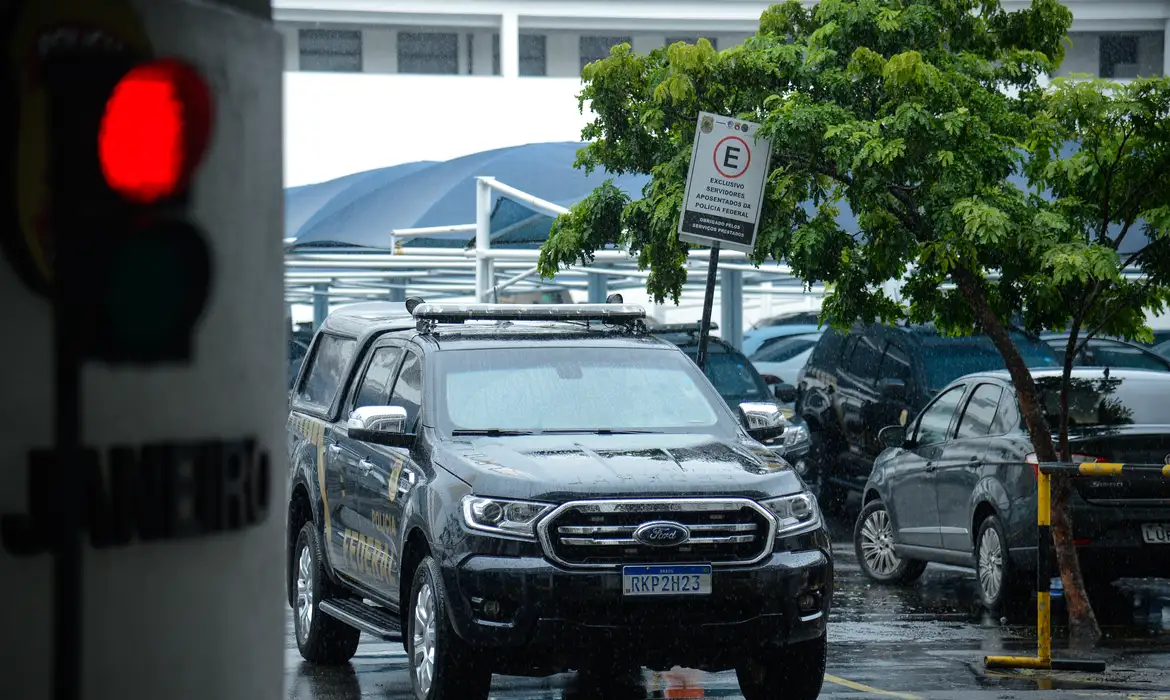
x,y
957,485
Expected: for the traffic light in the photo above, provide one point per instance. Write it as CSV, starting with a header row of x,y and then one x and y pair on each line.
x,y
132,271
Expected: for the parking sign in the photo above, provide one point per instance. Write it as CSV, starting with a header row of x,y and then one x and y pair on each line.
x,y
725,188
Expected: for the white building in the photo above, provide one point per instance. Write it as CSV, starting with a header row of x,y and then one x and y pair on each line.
x,y
372,83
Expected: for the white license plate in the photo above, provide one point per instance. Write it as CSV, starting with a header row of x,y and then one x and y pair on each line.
x,y
691,579
1156,533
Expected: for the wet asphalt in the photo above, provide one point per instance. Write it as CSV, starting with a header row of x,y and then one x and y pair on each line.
x,y
924,641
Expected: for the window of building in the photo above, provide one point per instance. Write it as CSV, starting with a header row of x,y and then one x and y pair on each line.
x,y
430,53
595,48
691,40
533,53
334,50
1119,56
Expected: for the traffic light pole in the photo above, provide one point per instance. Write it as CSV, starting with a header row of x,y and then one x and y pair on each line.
x,y
67,556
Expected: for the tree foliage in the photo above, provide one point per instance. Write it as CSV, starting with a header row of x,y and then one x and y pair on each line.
x,y
998,199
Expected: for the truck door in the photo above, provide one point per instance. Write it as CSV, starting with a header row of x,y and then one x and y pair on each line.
x,y
367,560
393,473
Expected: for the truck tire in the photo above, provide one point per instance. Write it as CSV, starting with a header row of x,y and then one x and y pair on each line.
x,y
794,673
873,541
321,639
442,666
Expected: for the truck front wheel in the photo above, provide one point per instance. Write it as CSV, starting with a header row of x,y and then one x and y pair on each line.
x,y
442,666
794,673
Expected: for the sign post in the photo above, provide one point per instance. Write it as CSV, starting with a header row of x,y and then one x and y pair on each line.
x,y
725,190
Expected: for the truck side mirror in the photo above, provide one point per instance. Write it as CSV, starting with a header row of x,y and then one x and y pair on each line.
x,y
381,425
763,421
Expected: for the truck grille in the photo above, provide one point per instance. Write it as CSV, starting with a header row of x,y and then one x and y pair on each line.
x,y
600,534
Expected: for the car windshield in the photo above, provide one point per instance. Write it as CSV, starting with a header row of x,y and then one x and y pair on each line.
x,y
549,389
947,359
734,378
1109,401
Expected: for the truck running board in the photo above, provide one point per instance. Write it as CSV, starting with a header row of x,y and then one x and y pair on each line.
x,y
377,622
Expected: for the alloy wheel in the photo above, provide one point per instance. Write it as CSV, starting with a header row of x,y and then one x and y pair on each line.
x,y
990,564
304,606
877,544
423,648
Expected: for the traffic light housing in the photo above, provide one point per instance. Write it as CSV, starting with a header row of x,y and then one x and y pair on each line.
x,y
131,270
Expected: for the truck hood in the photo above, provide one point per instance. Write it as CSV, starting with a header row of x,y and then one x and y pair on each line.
x,y
559,468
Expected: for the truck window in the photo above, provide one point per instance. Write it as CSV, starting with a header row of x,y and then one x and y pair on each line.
x,y
375,386
863,363
408,389
327,367
895,364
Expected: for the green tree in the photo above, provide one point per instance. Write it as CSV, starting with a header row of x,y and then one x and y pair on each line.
x,y
913,114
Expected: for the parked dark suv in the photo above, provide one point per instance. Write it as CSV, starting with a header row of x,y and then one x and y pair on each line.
x,y
958,486
529,490
859,382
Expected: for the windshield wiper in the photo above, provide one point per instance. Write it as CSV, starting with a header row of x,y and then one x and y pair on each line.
x,y
492,432
595,431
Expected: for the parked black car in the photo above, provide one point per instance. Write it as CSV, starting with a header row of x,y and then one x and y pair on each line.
x,y
1109,352
958,485
857,383
737,381
536,489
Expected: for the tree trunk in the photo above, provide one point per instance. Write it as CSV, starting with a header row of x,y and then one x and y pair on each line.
x,y
1082,620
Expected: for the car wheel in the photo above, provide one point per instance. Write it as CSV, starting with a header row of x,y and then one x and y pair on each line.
x,y
442,666
999,583
794,673
873,541
321,639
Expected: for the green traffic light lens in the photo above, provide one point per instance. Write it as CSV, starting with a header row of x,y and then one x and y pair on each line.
x,y
155,288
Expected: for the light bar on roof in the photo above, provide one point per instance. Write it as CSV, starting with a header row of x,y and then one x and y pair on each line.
x,y
458,313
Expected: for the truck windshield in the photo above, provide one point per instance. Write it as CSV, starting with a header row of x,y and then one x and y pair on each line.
x,y
572,389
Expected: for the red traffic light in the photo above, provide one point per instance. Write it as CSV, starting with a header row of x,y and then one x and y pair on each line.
x,y
155,128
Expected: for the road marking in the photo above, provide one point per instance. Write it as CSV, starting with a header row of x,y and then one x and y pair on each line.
x,y
861,687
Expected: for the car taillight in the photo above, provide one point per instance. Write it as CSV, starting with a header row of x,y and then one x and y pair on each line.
x,y
1076,459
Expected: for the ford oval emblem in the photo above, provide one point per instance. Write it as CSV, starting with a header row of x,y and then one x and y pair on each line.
x,y
662,533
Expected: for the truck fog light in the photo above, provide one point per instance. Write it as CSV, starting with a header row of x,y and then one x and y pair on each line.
x,y
491,608
801,467
807,602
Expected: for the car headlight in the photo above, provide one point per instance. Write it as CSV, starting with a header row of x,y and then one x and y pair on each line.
x,y
796,437
499,517
795,514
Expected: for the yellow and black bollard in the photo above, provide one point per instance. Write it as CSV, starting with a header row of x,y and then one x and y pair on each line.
x,y
1043,658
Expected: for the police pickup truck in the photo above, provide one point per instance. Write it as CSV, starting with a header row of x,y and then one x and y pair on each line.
x,y
529,490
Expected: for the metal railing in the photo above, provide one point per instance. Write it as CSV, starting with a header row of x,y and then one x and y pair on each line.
x,y
1043,659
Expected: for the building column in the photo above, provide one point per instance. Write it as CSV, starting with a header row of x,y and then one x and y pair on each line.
x,y
398,293
320,303
1166,49
598,289
510,45
731,307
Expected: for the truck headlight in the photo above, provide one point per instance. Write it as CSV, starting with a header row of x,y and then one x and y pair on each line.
x,y
499,517
794,514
